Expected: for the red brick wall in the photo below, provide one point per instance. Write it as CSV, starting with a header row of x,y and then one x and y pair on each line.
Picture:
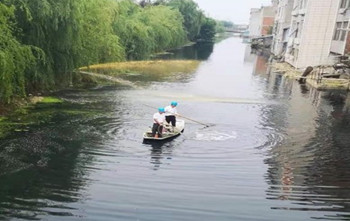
x,y
347,46
267,23
261,65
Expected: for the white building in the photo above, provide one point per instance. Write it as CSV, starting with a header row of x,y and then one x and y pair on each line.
x,y
311,32
254,22
282,25
261,21
341,39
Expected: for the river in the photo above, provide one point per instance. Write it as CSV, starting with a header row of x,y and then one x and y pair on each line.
x,y
275,150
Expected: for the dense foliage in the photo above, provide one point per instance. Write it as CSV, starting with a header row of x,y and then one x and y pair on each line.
x,y
41,42
226,24
146,30
208,30
193,16
15,58
221,26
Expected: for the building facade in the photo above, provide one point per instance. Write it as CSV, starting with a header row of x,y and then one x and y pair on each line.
x,y
254,22
268,19
282,25
341,39
311,33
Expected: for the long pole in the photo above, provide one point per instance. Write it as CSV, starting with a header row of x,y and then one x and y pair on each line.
x,y
198,122
206,125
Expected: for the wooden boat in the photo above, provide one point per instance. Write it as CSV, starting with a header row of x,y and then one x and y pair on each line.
x,y
167,135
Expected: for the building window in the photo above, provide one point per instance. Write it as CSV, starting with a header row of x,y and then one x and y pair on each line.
x,y
296,53
297,31
344,3
285,34
337,31
300,27
343,31
340,31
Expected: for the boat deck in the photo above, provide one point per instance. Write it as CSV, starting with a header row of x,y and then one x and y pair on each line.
x,y
180,126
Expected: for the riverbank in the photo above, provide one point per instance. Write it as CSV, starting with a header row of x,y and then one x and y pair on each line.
x,y
287,70
315,79
7,109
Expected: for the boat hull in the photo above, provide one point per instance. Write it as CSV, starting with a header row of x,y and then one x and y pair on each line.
x,y
167,136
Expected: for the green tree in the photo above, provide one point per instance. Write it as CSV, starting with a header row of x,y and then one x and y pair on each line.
x,y
15,58
133,33
208,30
220,28
192,15
47,25
143,31
96,41
71,33
165,27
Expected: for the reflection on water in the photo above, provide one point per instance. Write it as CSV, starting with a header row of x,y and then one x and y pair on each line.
x,y
275,150
199,51
310,167
160,154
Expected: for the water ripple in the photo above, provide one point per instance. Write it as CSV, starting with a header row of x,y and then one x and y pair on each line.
x,y
215,135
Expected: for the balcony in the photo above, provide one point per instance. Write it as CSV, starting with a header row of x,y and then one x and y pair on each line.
x,y
302,11
295,13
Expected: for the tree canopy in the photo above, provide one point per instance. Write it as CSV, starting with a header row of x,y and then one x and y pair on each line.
x,y
208,30
193,16
15,58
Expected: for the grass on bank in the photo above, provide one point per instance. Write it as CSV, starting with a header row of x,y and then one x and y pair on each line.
x,y
156,67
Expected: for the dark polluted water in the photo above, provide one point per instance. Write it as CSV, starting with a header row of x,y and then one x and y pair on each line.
x,y
275,150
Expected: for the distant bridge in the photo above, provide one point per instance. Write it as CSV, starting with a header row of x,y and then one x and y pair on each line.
x,y
236,30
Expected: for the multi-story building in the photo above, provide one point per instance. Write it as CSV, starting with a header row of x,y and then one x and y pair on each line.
x,y
261,21
341,38
282,25
311,32
254,22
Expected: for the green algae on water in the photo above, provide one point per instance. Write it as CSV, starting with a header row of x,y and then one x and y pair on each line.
x,y
51,100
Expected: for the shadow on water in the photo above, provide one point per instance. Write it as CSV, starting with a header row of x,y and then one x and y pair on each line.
x,y
161,150
198,51
48,166
36,191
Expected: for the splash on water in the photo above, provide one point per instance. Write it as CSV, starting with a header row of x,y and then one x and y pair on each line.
x,y
215,135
